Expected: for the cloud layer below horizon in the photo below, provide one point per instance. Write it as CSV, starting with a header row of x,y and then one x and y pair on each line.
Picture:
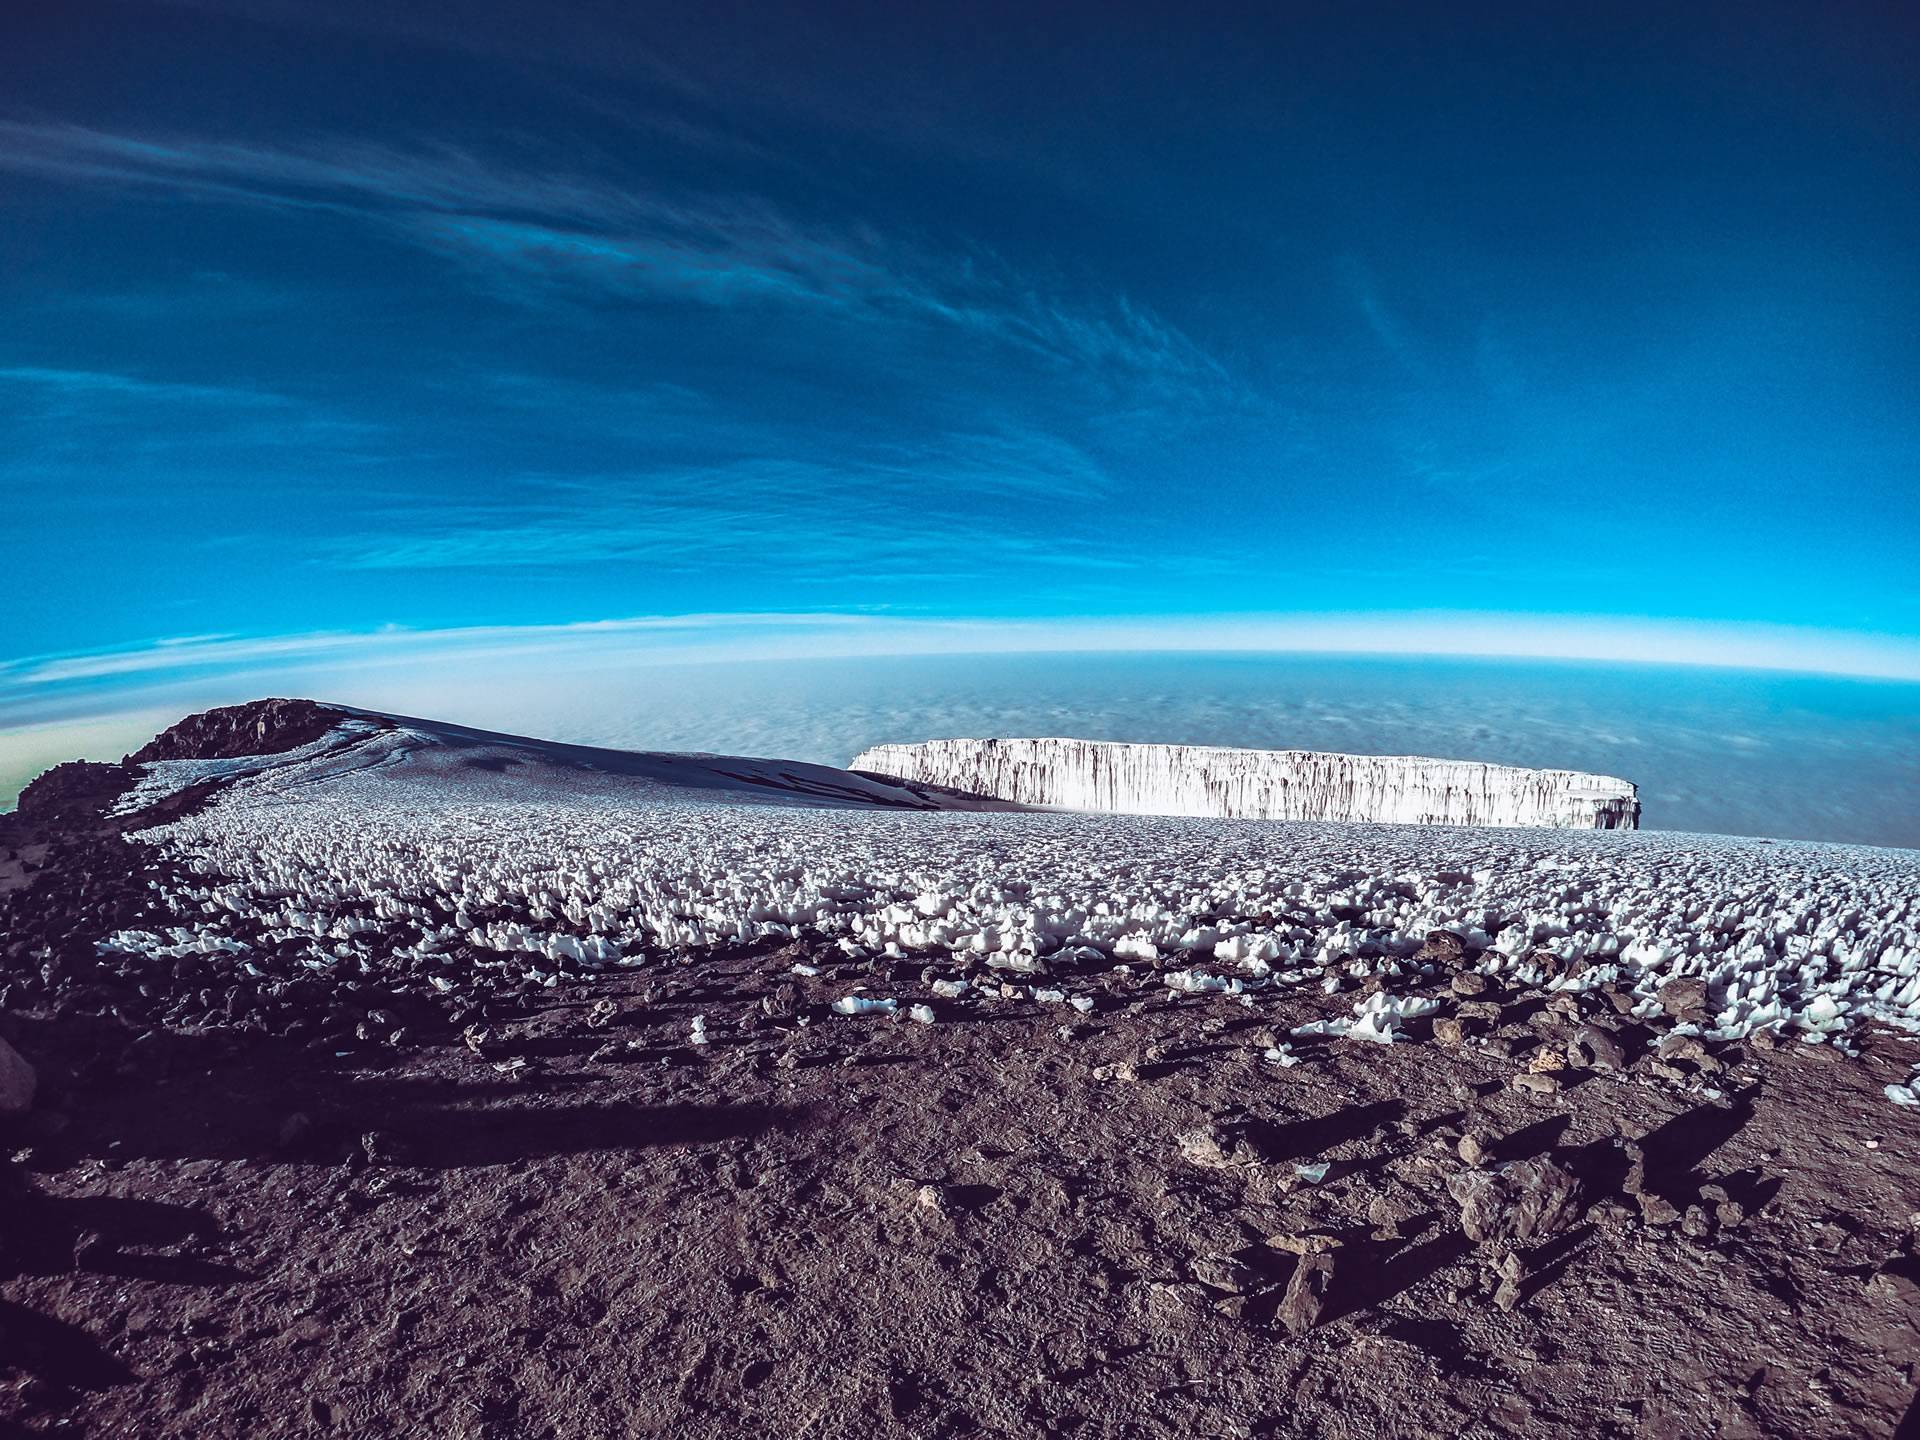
x,y
1731,751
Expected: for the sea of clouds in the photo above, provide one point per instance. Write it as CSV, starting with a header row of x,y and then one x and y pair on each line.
x,y
1721,751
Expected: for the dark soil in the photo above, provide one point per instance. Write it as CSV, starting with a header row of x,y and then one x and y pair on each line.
x,y
549,1214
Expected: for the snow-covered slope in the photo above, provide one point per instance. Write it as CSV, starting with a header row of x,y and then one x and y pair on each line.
x,y
1260,784
436,756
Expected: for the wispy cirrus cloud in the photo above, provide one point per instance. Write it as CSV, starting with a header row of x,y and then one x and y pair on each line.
x,y
57,419
741,258
344,175
227,652
98,384
527,230
948,507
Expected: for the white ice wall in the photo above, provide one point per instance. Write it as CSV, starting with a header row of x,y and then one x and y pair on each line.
x,y
1261,784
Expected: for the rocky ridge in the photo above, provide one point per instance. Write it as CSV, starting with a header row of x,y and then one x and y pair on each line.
x,y
259,727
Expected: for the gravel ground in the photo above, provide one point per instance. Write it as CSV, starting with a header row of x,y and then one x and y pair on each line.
x,y
550,1213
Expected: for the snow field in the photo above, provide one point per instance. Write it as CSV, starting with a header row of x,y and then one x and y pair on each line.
x,y
358,864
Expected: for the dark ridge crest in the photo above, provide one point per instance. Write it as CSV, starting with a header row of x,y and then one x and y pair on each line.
x,y
259,727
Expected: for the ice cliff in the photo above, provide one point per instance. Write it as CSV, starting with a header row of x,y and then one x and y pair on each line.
x,y
1119,778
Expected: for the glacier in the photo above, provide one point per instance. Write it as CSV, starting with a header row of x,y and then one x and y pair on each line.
x,y
1201,780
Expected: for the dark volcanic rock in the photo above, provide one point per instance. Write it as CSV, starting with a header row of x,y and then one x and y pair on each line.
x,y
75,792
1596,1049
1526,1202
1685,998
1305,1299
260,727
1443,948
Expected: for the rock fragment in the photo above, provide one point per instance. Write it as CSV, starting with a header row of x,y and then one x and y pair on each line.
x,y
1636,1178
1387,1212
1211,1148
1691,1049
1304,1242
1727,1211
91,1251
1305,1300
1656,1209
1621,1001
1223,1273
935,1197
1526,1202
1512,1271
1593,1048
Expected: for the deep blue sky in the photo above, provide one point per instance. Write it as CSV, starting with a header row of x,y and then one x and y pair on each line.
x,y
329,318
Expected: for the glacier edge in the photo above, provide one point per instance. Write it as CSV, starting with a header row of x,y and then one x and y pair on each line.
x,y
1203,780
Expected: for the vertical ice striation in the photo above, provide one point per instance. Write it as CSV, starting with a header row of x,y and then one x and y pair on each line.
x,y
1260,784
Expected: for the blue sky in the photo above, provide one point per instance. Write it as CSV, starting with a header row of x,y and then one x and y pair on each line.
x,y
402,332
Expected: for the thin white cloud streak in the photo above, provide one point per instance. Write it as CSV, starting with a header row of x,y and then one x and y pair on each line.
x,y
67,419
722,258
911,506
340,175
89,384
229,652
640,640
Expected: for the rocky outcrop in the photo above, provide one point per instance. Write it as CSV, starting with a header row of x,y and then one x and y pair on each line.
x,y
73,792
260,727
80,791
1260,784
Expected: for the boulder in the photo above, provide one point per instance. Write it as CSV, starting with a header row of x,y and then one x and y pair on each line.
x,y
1211,1148
1593,1048
1685,998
